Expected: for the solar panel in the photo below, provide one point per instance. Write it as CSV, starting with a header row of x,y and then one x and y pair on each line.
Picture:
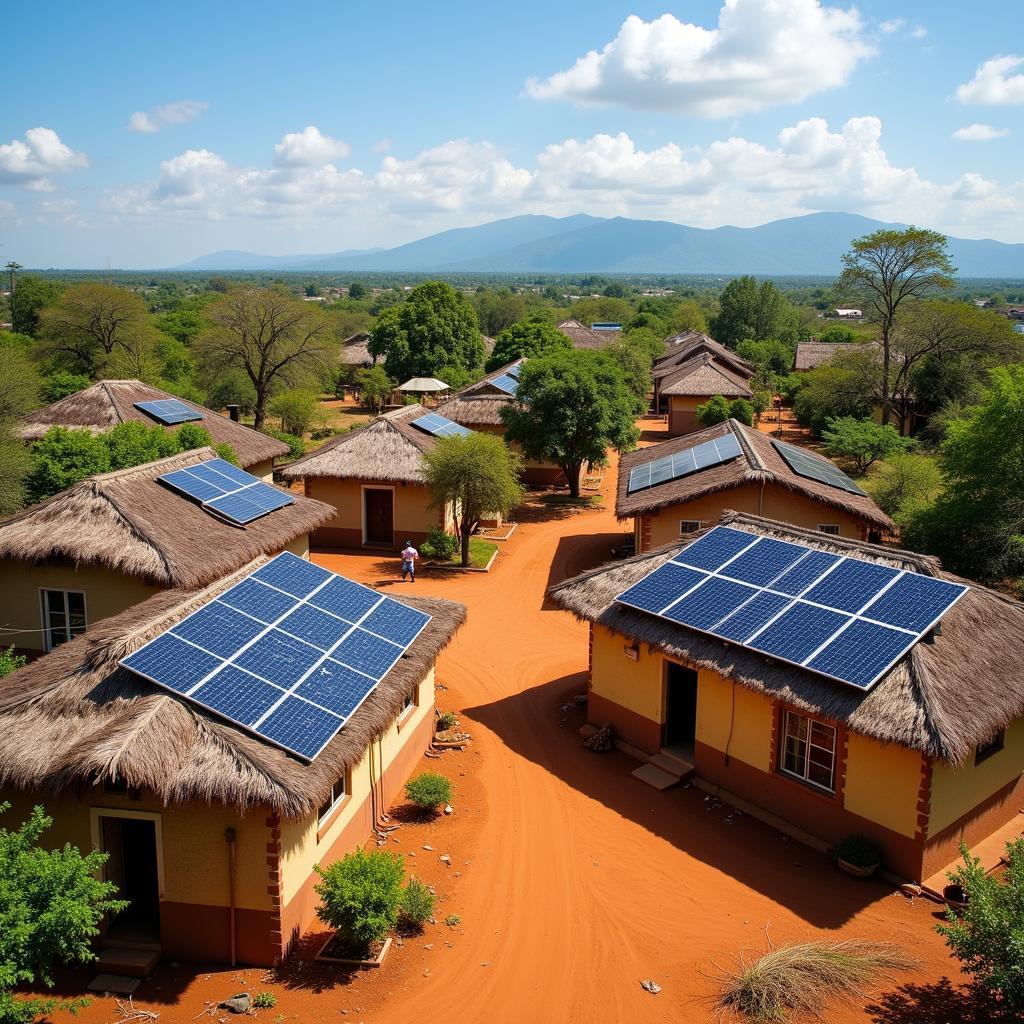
x,y
288,653
440,426
515,369
227,491
680,464
815,467
839,616
169,411
506,383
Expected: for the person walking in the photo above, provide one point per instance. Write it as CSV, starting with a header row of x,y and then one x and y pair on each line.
x,y
409,556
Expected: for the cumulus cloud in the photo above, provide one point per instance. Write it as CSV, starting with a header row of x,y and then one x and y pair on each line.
x,y
148,122
309,148
892,25
980,133
994,82
762,53
29,162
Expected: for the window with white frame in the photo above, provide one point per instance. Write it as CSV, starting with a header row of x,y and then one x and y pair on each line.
x,y
688,526
832,528
408,703
63,616
808,750
338,793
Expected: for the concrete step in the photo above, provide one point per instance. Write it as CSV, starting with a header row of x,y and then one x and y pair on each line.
x,y
654,776
115,984
672,765
134,963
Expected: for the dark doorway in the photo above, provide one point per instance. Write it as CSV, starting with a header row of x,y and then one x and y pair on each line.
x,y
680,707
380,517
132,867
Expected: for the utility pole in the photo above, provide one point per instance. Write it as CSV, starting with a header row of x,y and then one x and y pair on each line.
x,y
12,268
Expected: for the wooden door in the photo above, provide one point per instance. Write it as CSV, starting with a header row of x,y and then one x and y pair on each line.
x,y
379,516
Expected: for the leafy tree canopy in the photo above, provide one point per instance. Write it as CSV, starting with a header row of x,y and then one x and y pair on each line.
x,y
844,388
360,895
375,387
714,410
749,311
531,337
862,441
31,295
61,384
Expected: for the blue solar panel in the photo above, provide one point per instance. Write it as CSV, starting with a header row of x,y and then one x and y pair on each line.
x,y
192,485
678,464
227,491
506,383
842,617
249,503
440,426
169,411
515,369
251,653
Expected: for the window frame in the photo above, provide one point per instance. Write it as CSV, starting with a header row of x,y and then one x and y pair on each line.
x,y
44,616
696,523
805,779
410,703
991,747
327,811
829,529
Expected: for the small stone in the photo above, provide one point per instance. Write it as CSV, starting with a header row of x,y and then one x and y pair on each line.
x,y
448,809
238,1003
427,846
650,986
445,859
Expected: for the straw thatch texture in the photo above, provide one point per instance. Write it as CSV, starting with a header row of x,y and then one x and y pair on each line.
x,y
704,375
479,404
389,449
582,336
810,354
104,405
683,347
128,522
943,698
760,463
74,717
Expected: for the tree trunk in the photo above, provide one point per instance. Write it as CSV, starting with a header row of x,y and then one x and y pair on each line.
x,y
261,408
464,540
572,473
886,401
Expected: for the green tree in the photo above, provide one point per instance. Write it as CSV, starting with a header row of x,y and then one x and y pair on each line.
x,y
846,387
435,327
742,410
475,475
360,895
132,443
19,394
190,436
375,387
184,325
838,334
887,269
987,934
51,905
30,298
356,290
10,662
601,310
776,356
863,442
297,409
634,354
570,408
904,483
497,309
275,339
688,316
532,337
61,384
715,410
749,311
232,387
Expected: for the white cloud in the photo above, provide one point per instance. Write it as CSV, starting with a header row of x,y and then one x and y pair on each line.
x,y
980,133
180,112
993,82
309,148
974,186
919,31
763,53
892,25
28,163
382,145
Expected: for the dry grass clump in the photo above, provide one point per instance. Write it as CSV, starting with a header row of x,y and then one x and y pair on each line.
x,y
807,978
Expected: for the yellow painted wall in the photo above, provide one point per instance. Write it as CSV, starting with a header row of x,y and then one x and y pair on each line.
x,y
412,510
955,791
299,546
750,720
299,847
264,470
778,503
499,431
636,685
882,783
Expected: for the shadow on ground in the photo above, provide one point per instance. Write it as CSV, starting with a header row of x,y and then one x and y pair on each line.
x,y
938,1003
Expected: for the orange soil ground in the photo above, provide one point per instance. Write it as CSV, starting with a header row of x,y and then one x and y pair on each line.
x,y
573,880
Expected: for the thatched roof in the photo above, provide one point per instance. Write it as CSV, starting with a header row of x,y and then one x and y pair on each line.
x,y
943,698
388,448
705,375
129,523
104,405
582,336
684,347
810,354
74,717
760,463
479,404
355,351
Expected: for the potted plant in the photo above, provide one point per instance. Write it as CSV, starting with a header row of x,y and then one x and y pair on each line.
x,y
858,856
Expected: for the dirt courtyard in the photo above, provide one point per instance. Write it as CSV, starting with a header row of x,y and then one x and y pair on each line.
x,y
573,881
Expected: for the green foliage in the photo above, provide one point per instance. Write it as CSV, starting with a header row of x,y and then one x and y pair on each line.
x,y
62,457
132,444
831,391
232,387
428,790
776,356
375,387
296,408
31,296
264,1001
356,290
453,920
790,385
296,446
607,309
987,936
715,410
858,851
497,309
440,545
10,662
360,895
838,334
475,473
417,906
743,410
634,354
749,311
904,483
447,720
184,325
19,394
12,339
51,904
61,384
570,408
687,316
862,441
532,337
436,326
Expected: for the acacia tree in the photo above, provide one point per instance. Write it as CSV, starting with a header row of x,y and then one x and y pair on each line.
x,y
276,340
477,475
889,268
571,407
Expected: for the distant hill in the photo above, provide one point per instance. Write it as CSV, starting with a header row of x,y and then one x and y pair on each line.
x,y
809,245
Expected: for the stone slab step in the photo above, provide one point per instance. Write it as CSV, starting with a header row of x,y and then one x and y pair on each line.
x,y
117,984
655,777
672,765
134,963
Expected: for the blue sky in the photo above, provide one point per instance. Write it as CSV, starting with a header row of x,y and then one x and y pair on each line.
x,y
141,135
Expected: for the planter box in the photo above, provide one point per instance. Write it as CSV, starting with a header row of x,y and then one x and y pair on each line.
x,y
855,869
453,567
348,962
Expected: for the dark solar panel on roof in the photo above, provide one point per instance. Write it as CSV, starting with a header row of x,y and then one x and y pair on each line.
x,y
690,460
227,491
169,411
815,467
505,383
440,426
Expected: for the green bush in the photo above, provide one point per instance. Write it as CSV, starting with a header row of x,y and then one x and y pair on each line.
x,y
440,545
447,721
428,790
417,906
297,409
296,446
858,851
10,662
264,1001
742,410
360,895
61,384
714,410
453,920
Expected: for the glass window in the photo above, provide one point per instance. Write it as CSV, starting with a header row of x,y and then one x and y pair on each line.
x,y
409,702
338,792
989,747
832,528
809,750
688,526
63,616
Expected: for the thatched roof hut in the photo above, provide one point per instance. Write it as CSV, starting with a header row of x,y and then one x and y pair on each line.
x,y
389,448
684,347
128,522
759,463
104,405
582,336
810,354
704,375
74,717
479,404
355,351
945,696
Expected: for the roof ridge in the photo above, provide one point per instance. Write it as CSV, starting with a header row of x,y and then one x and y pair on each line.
x,y
110,398
739,431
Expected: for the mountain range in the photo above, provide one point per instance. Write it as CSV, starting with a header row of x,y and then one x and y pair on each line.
x,y
805,246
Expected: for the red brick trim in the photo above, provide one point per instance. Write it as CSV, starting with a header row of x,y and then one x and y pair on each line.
x,y
274,887
924,799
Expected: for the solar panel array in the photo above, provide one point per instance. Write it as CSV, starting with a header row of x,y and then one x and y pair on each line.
x,y
169,411
440,426
227,491
690,460
839,616
506,383
289,653
815,467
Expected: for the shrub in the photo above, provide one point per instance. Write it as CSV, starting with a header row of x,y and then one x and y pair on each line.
x,y
440,545
858,851
453,920
448,720
11,662
296,408
264,1001
807,978
417,904
296,446
428,790
360,895
61,384
714,410
742,410
62,457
